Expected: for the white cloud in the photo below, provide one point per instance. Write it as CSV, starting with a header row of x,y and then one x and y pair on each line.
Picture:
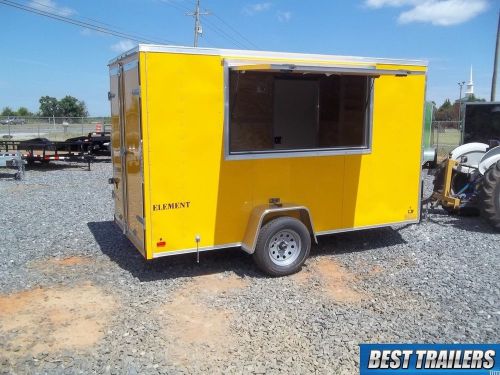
x,y
52,7
284,16
389,3
444,13
123,46
252,9
436,12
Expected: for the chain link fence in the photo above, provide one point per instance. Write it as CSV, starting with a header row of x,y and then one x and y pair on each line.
x,y
52,128
445,136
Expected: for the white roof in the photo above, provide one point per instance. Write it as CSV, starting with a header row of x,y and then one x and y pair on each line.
x,y
233,53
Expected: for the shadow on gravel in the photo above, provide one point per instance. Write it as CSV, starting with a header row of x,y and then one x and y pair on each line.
x,y
121,251
469,223
102,159
357,241
51,166
7,175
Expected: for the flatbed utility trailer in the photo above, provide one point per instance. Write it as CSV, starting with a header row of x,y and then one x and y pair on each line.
x,y
265,151
96,143
44,151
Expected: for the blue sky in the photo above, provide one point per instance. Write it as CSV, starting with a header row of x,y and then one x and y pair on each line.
x,y
41,56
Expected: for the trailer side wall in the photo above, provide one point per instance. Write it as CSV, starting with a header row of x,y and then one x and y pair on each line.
x,y
192,190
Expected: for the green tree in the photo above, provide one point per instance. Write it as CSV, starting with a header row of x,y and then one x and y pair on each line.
x,y
447,112
473,98
7,111
70,106
49,106
24,112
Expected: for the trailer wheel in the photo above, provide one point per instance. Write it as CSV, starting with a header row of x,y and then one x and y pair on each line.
x,y
282,247
490,195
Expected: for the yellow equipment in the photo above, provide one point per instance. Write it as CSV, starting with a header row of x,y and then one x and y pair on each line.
x,y
261,150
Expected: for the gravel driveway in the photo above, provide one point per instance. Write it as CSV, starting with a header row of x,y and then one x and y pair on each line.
x,y
76,297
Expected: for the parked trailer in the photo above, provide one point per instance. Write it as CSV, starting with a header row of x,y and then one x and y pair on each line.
x,y
96,143
44,151
265,151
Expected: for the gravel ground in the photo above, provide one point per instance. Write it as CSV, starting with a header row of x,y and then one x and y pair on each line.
x,y
76,297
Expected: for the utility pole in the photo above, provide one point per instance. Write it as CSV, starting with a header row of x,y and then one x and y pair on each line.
x,y
198,30
495,64
461,84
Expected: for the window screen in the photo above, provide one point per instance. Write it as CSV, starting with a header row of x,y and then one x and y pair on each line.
x,y
277,111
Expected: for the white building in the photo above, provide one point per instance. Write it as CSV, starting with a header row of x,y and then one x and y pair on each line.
x,y
469,91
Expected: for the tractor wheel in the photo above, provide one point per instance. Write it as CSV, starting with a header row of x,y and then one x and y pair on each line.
x,y
282,246
490,195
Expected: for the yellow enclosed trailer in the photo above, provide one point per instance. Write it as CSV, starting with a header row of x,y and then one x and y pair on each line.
x,y
261,150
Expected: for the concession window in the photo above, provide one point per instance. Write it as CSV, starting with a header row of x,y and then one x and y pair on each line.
x,y
286,110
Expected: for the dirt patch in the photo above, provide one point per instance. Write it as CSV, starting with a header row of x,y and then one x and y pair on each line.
x,y
51,320
304,276
57,264
376,269
337,281
334,280
197,332
71,261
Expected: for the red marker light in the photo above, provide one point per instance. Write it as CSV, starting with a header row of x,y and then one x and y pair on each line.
x,y
161,244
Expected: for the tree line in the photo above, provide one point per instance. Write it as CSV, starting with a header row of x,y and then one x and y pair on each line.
x,y
69,106
450,112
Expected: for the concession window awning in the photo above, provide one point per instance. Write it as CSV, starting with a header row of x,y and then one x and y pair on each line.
x,y
370,71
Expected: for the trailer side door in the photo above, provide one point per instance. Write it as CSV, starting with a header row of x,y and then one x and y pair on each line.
x,y
116,145
133,154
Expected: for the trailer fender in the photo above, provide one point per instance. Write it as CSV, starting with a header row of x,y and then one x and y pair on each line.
x,y
262,214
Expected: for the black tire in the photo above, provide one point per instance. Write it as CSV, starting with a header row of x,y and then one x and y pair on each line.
x,y
490,195
294,233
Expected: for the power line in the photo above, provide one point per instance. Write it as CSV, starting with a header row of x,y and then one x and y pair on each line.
x,y
90,19
236,31
244,43
101,29
55,9
174,4
221,32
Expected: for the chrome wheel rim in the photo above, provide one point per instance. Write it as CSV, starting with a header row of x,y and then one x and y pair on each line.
x,y
284,247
